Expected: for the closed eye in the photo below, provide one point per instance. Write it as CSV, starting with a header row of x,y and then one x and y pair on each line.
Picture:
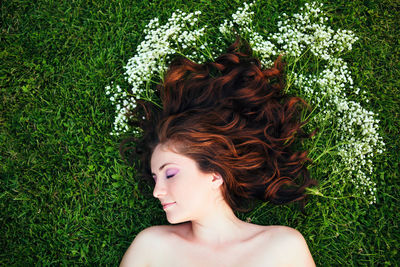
x,y
171,172
170,176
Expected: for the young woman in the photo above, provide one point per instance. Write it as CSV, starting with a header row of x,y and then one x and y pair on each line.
x,y
223,139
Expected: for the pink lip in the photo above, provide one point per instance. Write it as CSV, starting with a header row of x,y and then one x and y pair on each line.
x,y
167,205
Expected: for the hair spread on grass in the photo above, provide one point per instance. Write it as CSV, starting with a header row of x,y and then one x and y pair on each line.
x,y
233,118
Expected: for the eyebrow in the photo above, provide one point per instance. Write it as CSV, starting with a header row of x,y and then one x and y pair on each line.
x,y
162,166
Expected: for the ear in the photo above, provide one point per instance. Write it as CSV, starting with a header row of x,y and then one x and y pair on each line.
x,y
216,181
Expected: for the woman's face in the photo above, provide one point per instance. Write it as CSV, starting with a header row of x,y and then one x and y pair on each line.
x,y
180,182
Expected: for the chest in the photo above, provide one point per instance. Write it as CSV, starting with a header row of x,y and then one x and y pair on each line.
x,y
179,254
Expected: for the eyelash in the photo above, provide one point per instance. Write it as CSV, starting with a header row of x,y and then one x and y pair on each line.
x,y
170,176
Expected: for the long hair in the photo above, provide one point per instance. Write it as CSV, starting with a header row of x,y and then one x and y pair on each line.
x,y
231,117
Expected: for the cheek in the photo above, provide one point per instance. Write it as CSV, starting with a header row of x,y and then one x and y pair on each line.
x,y
196,193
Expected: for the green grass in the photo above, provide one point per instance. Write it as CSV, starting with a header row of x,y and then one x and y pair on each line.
x,y
66,196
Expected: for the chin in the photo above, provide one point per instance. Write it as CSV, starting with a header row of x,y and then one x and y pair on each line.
x,y
174,220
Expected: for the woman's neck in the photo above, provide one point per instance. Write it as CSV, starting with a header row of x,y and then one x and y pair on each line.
x,y
217,228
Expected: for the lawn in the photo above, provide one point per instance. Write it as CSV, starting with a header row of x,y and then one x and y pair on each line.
x,y
67,197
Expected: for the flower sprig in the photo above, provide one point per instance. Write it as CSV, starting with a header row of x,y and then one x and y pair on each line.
x,y
147,67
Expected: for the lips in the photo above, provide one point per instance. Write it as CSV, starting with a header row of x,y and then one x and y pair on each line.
x,y
166,205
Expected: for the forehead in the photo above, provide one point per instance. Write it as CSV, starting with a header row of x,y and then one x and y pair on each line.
x,y
165,154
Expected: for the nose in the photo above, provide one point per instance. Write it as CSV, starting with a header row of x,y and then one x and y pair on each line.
x,y
159,189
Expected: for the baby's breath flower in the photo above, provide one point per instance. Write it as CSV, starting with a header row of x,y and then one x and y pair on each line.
x,y
357,135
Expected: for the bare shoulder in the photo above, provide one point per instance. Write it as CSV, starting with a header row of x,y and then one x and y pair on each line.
x,y
288,245
144,244
281,231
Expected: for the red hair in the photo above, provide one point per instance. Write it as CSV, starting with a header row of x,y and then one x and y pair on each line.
x,y
232,117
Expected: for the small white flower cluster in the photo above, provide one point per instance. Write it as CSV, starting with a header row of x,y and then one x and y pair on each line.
x,y
357,137
358,130
152,58
306,30
119,99
160,42
242,23
241,18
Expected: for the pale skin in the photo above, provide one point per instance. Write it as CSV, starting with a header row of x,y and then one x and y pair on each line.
x,y
204,230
